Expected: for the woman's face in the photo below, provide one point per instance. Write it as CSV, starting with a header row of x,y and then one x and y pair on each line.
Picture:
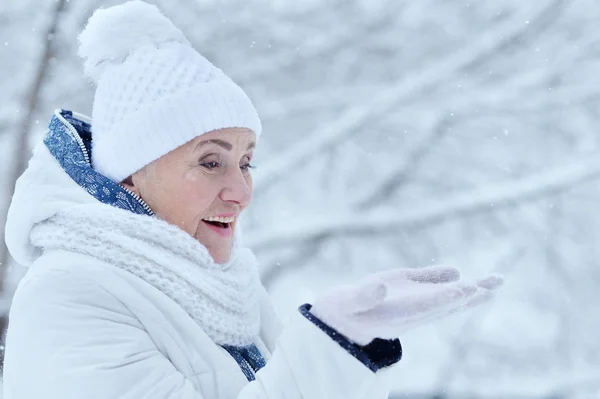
x,y
202,186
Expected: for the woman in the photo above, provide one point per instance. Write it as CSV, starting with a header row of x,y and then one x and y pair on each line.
x,y
138,284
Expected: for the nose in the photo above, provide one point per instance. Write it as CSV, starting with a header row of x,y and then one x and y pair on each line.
x,y
238,188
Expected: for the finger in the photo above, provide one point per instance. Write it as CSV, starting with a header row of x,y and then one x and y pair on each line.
x,y
396,324
491,282
434,274
482,297
467,288
390,275
419,302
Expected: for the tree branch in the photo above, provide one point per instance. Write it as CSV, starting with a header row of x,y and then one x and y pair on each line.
x,y
21,146
357,117
387,184
496,196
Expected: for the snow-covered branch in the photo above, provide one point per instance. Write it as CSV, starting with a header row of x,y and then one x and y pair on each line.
x,y
21,146
382,220
389,180
413,84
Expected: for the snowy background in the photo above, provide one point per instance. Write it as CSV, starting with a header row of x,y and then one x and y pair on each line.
x,y
397,134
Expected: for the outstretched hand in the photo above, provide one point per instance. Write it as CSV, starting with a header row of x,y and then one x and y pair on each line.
x,y
386,304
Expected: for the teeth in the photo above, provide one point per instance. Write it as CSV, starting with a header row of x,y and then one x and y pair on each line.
x,y
220,219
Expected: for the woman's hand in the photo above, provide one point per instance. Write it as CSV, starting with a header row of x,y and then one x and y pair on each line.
x,y
386,304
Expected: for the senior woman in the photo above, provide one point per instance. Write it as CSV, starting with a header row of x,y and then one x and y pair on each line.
x,y
138,283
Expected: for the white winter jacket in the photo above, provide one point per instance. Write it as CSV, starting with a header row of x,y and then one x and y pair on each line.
x,y
82,328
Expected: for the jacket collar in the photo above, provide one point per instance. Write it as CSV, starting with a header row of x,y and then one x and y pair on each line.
x,y
69,140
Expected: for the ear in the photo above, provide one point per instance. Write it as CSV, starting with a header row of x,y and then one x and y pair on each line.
x,y
128,184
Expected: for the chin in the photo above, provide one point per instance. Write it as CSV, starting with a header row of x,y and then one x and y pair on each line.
x,y
219,249
220,256
222,259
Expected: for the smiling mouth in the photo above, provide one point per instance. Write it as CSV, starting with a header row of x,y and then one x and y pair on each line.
x,y
217,224
222,225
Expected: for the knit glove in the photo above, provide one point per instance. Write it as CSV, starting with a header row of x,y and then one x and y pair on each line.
x,y
386,304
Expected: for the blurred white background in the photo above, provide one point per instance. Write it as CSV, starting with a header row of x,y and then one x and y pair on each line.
x,y
396,134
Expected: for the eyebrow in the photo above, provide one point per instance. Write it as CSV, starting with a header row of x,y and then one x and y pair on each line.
x,y
222,143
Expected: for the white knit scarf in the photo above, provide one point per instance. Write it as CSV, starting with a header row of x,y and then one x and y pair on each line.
x,y
222,299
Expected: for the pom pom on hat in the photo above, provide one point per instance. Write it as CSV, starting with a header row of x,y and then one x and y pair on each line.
x,y
154,91
114,33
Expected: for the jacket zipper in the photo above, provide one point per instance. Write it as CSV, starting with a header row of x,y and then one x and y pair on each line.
x,y
74,134
77,138
140,200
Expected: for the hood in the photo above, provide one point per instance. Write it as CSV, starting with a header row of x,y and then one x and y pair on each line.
x,y
60,176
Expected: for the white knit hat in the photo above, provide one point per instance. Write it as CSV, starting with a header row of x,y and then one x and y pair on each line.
x,y
154,91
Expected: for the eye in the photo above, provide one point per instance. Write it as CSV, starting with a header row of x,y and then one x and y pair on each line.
x,y
245,164
211,165
247,167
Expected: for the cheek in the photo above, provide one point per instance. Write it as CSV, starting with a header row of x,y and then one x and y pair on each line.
x,y
250,184
180,199
192,175
198,192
